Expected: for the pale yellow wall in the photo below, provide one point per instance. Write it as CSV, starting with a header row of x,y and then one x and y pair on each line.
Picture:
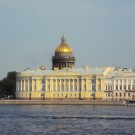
x,y
85,86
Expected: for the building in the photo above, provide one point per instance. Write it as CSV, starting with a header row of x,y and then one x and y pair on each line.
x,y
65,81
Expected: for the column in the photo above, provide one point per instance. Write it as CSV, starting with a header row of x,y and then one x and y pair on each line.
x,y
81,84
118,84
64,84
69,84
28,85
73,85
122,84
126,84
60,84
21,85
101,85
87,84
56,85
46,85
77,85
114,85
131,84
32,85
50,84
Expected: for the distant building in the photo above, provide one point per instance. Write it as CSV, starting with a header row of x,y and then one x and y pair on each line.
x,y
65,81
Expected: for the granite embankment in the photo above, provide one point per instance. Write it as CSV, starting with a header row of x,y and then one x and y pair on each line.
x,y
61,102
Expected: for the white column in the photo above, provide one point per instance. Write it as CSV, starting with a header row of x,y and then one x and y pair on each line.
x,y
50,84
101,88
64,84
77,85
24,85
60,84
56,84
82,85
87,84
118,84
114,86
126,84
131,84
73,85
28,85
21,85
46,85
69,84
122,84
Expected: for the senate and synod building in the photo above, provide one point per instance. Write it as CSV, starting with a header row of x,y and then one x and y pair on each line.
x,y
64,81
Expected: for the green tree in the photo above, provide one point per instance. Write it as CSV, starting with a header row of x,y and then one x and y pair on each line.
x,y
8,85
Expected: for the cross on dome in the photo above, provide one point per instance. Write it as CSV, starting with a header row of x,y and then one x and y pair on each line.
x,y
63,39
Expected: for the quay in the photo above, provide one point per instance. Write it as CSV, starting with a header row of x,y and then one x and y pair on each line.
x,y
61,102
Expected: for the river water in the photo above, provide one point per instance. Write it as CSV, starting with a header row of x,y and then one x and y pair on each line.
x,y
66,120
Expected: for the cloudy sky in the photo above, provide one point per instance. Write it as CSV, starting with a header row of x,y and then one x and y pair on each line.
x,y
101,32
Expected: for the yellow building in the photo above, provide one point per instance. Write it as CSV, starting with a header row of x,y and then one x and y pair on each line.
x,y
65,81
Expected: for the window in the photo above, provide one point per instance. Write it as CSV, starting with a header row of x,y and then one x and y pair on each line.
x,y
129,94
116,94
120,94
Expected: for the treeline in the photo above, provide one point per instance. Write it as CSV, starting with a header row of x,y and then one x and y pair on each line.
x,y
8,86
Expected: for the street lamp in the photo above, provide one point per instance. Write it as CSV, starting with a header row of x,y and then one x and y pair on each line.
x,y
42,94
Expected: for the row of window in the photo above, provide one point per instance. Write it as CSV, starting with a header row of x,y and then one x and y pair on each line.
x,y
128,87
124,81
119,94
65,95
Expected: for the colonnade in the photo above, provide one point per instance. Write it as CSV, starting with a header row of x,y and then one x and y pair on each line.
x,y
26,85
124,84
59,84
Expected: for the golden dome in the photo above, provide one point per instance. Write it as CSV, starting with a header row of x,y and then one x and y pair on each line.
x,y
63,47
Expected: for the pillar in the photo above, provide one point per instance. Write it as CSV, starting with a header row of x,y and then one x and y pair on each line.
x,y
81,84
56,85
73,85
131,84
69,84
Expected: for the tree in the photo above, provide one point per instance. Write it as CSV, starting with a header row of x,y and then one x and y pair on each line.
x,y
8,85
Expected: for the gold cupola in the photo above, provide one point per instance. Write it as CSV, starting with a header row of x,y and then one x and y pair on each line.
x,y
63,57
63,47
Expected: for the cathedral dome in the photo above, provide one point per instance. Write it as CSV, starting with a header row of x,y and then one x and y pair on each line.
x,y
63,47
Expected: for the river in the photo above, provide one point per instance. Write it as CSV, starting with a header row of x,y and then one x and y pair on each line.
x,y
66,120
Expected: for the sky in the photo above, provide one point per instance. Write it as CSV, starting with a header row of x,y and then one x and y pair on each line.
x,y
100,32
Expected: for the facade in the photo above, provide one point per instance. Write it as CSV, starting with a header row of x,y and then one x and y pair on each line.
x,y
65,81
